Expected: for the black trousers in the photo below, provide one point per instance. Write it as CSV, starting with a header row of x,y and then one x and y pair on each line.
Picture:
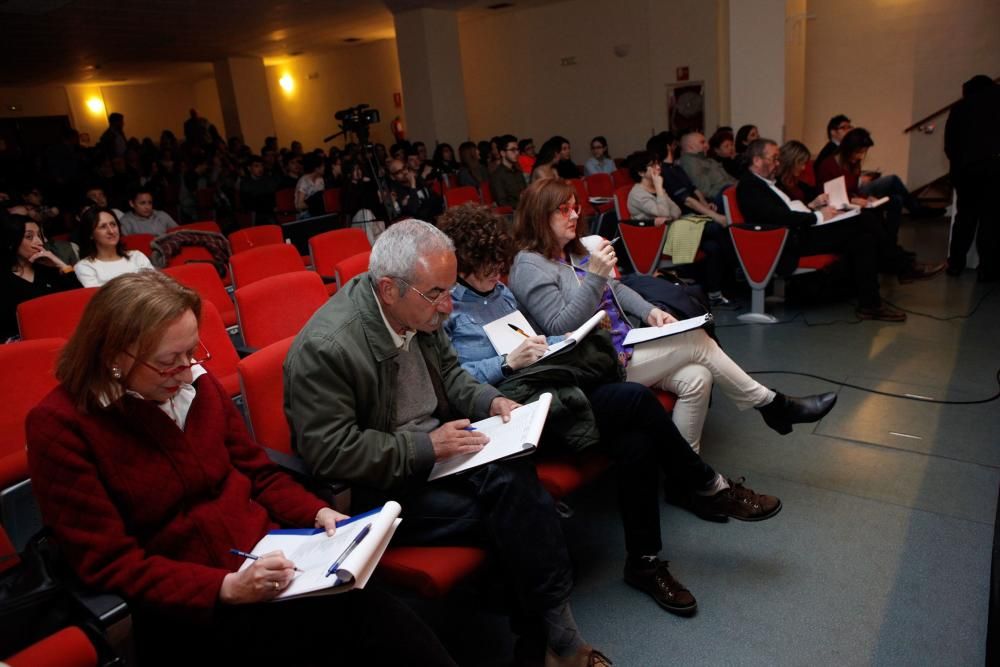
x,y
502,507
977,217
366,627
720,257
639,434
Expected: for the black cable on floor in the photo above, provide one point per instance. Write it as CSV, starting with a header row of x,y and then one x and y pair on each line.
x,y
907,397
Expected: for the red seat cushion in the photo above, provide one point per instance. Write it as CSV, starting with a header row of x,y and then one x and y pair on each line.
x,y
667,399
430,571
817,261
562,475
67,648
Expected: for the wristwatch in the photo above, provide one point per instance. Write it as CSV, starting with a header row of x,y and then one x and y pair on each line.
x,y
505,368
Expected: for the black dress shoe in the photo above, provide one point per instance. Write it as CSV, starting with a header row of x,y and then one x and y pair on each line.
x,y
652,576
784,411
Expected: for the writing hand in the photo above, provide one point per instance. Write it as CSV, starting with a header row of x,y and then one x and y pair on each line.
x,y
528,352
262,581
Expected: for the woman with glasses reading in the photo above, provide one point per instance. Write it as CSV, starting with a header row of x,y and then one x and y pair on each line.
x,y
147,478
559,285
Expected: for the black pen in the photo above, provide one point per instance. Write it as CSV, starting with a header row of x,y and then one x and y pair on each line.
x,y
347,552
246,554
518,330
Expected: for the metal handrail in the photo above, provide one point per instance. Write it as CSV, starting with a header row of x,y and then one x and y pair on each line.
x,y
937,113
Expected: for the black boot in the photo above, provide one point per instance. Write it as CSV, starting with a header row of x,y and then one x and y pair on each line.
x,y
784,411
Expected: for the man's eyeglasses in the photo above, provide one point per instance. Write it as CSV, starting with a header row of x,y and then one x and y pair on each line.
x,y
567,207
200,356
433,300
513,149
399,171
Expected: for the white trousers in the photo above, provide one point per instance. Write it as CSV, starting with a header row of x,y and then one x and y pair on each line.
x,y
687,364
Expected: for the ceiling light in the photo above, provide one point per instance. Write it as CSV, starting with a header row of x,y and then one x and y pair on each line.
x,y
287,83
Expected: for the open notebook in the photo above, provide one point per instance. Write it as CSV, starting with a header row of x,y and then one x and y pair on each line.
x,y
517,437
505,333
646,334
314,552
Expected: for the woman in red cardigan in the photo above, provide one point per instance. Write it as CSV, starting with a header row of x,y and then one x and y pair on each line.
x,y
147,478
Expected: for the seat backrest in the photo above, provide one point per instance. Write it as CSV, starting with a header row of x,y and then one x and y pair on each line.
x,y
69,647
485,193
141,242
758,251
32,363
600,185
582,198
251,237
204,226
621,201
643,245
620,177
331,200
53,315
264,261
808,175
204,280
460,195
330,248
216,340
278,307
732,208
351,267
262,381
284,200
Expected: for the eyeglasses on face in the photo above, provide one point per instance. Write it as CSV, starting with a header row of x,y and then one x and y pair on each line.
x,y
512,149
399,171
199,356
567,207
435,300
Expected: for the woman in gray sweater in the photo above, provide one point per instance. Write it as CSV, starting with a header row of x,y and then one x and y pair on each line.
x,y
559,286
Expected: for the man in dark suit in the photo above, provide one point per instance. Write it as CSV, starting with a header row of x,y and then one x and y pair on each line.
x,y
858,238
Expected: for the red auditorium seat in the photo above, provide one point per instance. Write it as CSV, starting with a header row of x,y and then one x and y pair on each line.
x,y
262,262
216,340
204,279
53,315
69,647
330,248
278,307
350,267
460,195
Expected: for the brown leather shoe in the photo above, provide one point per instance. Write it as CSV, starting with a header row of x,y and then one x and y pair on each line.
x,y
654,578
921,271
588,656
885,313
738,502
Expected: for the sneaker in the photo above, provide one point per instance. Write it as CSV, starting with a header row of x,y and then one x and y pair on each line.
x,y
737,502
653,577
885,313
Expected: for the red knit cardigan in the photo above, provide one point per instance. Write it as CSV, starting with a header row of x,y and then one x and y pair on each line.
x,y
148,511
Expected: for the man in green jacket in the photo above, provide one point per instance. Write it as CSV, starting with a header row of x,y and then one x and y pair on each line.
x,y
375,395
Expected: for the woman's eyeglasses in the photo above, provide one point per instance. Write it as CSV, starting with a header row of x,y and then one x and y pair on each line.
x,y
200,356
566,208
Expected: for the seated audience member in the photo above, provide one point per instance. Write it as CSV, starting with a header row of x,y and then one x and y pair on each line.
x,y
546,160
679,186
507,180
422,168
565,166
165,481
527,156
843,160
375,396
143,218
744,137
444,159
412,197
95,195
722,149
359,199
793,157
836,128
559,286
310,186
648,200
707,175
632,425
291,171
599,162
861,238
472,171
257,190
33,206
102,250
30,270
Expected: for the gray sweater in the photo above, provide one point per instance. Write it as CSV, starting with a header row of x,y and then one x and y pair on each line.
x,y
556,302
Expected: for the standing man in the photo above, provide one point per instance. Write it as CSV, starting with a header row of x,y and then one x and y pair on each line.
x,y
507,180
972,144
375,396
113,142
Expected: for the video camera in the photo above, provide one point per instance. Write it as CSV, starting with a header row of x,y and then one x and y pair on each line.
x,y
357,119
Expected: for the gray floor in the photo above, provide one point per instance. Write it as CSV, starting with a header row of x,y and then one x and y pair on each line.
x,y
881,554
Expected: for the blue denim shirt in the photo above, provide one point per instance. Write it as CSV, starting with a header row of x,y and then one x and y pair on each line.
x,y
465,329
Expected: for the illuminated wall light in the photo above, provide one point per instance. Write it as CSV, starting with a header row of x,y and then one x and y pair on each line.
x,y
287,83
96,105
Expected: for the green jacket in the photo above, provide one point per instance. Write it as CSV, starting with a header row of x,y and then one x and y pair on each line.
x,y
340,387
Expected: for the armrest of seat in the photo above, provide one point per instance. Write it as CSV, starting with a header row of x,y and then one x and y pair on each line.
x,y
338,494
328,279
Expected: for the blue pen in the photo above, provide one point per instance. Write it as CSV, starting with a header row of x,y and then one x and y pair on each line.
x,y
469,428
350,547
246,554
